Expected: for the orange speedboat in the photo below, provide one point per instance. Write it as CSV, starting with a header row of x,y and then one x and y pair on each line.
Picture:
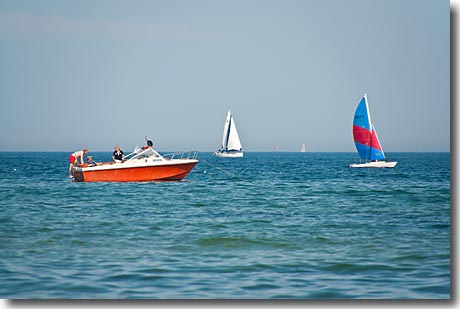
x,y
142,165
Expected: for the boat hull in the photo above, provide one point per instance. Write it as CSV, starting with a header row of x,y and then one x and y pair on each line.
x,y
376,164
229,154
172,170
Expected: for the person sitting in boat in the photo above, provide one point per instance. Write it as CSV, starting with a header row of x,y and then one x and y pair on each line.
x,y
118,155
73,158
90,161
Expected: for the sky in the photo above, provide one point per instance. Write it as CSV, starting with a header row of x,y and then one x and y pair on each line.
x,y
95,74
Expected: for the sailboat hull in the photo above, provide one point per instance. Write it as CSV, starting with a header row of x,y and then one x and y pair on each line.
x,y
229,154
374,164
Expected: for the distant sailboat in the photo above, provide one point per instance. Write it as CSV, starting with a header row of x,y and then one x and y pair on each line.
x,y
275,148
303,148
231,144
366,140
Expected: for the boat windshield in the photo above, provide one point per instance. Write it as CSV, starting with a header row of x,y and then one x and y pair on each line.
x,y
147,153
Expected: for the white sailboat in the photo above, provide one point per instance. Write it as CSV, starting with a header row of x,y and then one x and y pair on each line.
x,y
366,140
231,144
303,148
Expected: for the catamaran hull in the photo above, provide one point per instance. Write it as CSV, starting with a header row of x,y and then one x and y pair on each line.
x,y
374,164
229,154
119,173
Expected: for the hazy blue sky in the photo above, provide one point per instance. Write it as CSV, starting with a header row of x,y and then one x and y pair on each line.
x,y
93,74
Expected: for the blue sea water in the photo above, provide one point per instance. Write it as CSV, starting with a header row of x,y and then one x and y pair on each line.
x,y
269,225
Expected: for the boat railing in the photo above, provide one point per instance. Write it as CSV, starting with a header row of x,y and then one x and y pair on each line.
x,y
193,154
135,152
150,152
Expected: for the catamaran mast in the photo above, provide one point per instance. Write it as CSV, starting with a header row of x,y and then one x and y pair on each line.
x,y
370,145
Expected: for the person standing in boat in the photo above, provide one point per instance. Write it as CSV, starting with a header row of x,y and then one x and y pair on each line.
x,y
118,155
73,158
149,144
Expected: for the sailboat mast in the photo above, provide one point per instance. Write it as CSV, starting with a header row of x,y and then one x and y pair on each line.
x,y
370,145
371,127
228,132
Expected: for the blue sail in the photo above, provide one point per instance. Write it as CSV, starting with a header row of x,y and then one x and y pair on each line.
x,y
362,118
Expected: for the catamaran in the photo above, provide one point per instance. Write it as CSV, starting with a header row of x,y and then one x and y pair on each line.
x,y
366,140
231,144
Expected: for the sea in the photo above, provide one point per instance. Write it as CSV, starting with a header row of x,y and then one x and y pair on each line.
x,y
271,225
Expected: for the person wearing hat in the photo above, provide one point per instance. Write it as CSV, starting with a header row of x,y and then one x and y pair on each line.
x,y
118,155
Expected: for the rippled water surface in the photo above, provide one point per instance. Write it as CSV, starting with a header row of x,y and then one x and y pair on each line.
x,y
269,225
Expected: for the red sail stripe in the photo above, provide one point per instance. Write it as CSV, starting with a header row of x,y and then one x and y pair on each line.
x,y
361,136
375,142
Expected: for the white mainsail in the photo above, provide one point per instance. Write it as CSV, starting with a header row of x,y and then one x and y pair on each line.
x,y
226,132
